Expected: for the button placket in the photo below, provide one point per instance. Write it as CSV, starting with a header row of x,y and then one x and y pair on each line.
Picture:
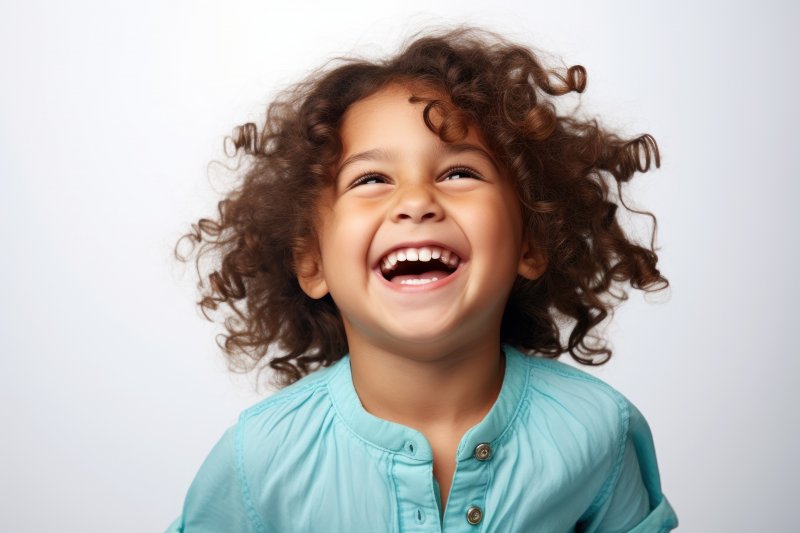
x,y
470,485
412,470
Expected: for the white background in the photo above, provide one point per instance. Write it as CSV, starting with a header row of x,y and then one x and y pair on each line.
x,y
113,390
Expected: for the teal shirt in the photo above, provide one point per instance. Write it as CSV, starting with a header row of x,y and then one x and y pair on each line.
x,y
560,451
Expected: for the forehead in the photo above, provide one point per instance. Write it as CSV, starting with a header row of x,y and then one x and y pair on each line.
x,y
388,116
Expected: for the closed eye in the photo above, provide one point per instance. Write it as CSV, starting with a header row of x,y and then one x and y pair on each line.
x,y
459,173
368,179
454,174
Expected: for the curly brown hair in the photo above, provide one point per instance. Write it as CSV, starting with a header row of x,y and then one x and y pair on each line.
x,y
565,169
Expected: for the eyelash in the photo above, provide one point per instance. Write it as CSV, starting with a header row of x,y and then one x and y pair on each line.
x,y
364,178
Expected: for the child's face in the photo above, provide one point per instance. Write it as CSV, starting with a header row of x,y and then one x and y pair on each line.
x,y
423,199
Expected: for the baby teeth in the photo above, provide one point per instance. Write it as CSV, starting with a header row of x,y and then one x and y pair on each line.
x,y
424,254
422,281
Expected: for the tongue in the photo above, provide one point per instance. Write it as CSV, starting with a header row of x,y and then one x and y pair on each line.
x,y
438,274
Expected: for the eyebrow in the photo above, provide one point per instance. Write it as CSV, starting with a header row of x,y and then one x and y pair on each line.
x,y
379,154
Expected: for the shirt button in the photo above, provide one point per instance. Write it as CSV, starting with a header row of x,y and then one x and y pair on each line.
x,y
474,515
483,452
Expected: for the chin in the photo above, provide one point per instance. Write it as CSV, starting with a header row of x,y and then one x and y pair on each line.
x,y
424,337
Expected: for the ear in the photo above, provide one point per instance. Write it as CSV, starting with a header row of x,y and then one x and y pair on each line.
x,y
532,261
308,267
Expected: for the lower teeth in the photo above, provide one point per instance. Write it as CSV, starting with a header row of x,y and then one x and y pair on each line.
x,y
419,281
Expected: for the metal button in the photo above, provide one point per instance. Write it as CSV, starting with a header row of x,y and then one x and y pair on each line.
x,y
483,452
474,515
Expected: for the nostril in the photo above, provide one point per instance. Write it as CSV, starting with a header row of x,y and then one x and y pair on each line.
x,y
417,204
424,216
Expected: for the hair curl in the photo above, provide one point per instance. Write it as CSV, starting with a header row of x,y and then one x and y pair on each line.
x,y
564,169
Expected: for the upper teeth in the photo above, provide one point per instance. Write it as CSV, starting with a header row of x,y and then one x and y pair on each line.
x,y
424,254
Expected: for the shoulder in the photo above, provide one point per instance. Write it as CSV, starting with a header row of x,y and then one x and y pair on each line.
x,y
226,494
576,417
600,435
307,399
609,441
583,395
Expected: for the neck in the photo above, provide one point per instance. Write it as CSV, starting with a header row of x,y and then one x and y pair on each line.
x,y
433,390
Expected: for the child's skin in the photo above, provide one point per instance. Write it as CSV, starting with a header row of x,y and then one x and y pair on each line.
x,y
423,355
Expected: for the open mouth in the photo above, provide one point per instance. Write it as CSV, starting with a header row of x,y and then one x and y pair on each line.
x,y
418,266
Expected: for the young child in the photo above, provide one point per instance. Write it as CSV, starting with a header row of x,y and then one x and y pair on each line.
x,y
411,238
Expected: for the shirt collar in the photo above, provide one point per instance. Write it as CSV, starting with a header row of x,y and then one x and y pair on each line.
x,y
397,438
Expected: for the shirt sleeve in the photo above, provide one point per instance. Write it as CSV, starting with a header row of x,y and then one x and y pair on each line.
x,y
635,503
216,498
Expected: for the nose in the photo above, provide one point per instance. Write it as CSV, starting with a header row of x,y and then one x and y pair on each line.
x,y
416,203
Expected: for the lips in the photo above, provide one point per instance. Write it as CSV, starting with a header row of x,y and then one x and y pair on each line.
x,y
418,265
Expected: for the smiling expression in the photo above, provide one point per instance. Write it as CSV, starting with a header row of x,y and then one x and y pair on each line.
x,y
419,240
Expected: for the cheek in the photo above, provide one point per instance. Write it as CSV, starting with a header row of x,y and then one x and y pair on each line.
x,y
500,220
346,237
498,231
